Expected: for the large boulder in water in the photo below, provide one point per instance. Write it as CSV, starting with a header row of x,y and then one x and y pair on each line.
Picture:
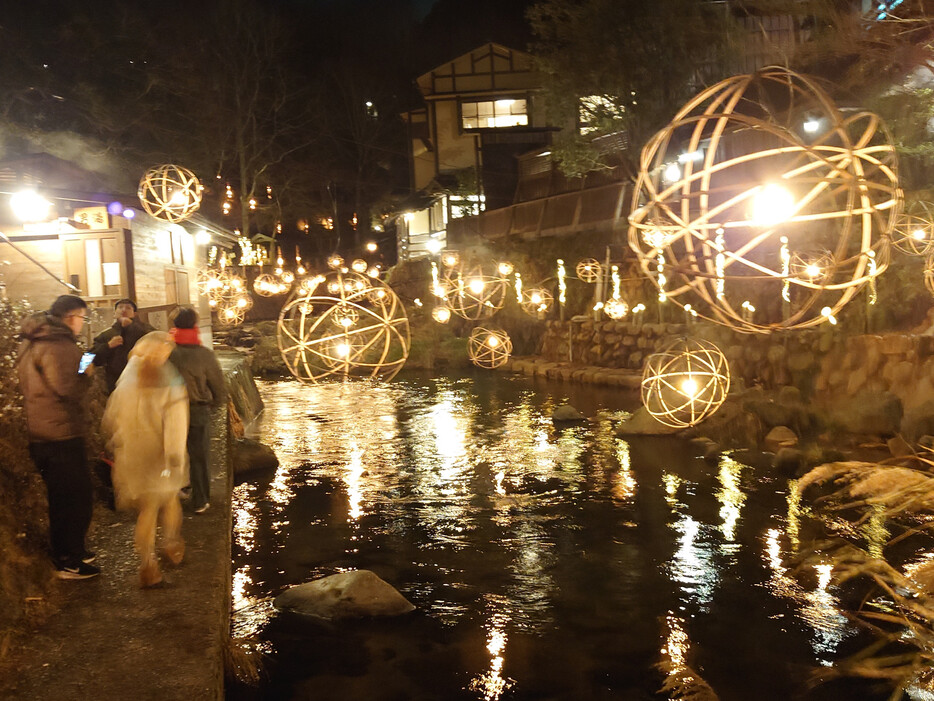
x,y
250,456
566,412
352,594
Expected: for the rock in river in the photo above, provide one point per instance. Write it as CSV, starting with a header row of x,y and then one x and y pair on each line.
x,y
353,594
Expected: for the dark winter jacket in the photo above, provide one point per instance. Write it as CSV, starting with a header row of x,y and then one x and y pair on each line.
x,y
53,391
202,374
114,360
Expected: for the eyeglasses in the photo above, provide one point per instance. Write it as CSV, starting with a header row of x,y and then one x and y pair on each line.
x,y
79,316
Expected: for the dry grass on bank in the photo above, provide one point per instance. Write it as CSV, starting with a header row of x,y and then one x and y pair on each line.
x,y
896,604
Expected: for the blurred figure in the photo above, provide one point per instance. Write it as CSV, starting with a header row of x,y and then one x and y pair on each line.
x,y
205,381
53,393
112,347
147,421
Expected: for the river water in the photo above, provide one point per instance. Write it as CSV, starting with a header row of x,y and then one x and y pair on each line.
x,y
545,562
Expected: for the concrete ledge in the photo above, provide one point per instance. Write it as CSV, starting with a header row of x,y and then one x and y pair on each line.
x,y
112,640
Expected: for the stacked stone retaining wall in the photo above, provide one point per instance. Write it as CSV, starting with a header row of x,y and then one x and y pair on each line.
x,y
820,362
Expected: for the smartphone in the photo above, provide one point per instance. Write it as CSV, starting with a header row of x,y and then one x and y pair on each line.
x,y
86,360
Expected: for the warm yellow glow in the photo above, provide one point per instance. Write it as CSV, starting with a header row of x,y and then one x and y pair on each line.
x,y
434,246
30,206
373,272
536,298
343,350
492,341
335,262
450,259
506,268
812,270
358,266
371,247
689,388
441,314
773,204
475,285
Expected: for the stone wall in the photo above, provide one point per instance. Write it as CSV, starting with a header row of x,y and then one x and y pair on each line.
x,y
822,363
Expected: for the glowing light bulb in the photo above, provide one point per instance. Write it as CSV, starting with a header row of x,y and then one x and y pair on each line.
x,y
689,388
371,247
812,270
672,173
358,266
441,314
811,126
506,268
771,205
343,350
475,285
535,298
434,245
918,234
492,341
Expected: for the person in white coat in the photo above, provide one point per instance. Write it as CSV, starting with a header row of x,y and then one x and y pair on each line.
x,y
147,421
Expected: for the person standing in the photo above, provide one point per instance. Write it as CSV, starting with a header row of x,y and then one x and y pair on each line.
x,y
205,381
146,419
53,393
112,347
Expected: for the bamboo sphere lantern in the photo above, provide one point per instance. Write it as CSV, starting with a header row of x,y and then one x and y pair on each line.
x,y
536,301
170,192
266,285
914,230
230,314
343,325
489,348
749,173
210,279
589,270
473,295
615,308
685,383
441,314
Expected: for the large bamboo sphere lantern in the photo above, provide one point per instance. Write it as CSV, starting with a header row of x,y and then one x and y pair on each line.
x,y
170,192
343,325
473,295
685,383
211,279
751,173
914,230
489,348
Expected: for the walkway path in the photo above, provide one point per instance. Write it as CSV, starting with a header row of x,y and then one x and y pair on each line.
x,y
112,640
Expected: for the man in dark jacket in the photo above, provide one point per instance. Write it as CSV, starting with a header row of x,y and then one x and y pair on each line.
x,y
112,347
53,393
206,389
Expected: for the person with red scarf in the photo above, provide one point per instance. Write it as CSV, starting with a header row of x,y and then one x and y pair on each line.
x,y
206,389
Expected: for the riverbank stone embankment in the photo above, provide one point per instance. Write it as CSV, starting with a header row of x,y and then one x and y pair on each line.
x,y
112,640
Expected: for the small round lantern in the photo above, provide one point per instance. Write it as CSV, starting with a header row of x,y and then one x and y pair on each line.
x,y
170,192
473,295
914,230
441,314
615,308
589,270
489,348
685,383
536,301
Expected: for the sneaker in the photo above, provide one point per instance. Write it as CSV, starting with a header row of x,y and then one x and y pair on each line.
x,y
80,571
88,557
201,509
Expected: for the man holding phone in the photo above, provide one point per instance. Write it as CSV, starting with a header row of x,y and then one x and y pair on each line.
x,y
53,393
112,347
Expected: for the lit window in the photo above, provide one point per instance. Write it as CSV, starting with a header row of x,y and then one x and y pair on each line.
x,y
494,114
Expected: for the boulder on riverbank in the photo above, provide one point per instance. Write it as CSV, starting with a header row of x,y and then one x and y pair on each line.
x,y
565,413
252,456
354,594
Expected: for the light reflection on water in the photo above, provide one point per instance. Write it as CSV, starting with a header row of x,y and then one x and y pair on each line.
x,y
544,561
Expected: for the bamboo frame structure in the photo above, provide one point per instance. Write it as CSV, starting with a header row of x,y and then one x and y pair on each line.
x,y
356,327
489,348
589,270
698,223
170,192
914,230
685,383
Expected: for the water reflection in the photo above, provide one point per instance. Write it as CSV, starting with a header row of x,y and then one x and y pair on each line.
x,y
558,545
